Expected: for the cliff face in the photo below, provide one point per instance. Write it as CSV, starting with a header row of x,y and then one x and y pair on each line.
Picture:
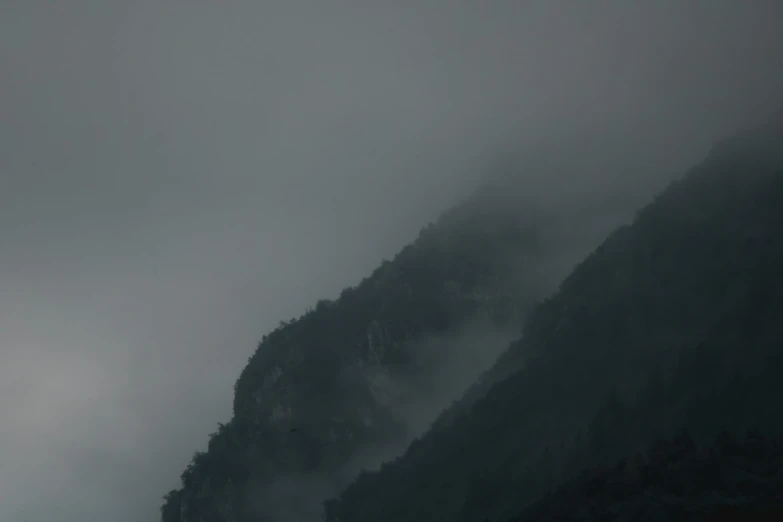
x,y
674,322
351,382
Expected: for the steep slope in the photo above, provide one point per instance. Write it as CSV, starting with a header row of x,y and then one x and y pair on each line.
x,y
675,321
351,382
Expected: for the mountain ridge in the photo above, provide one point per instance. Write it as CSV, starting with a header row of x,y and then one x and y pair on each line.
x,y
325,395
608,354
353,380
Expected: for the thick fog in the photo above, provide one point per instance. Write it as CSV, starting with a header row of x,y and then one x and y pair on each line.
x,y
176,177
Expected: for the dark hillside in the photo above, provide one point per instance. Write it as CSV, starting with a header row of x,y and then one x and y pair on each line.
x,y
351,382
335,375
674,322
675,480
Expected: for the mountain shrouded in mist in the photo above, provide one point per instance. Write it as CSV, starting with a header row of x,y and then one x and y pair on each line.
x,y
672,323
350,383
329,393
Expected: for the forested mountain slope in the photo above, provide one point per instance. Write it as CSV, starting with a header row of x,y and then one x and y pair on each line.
x,y
352,381
674,322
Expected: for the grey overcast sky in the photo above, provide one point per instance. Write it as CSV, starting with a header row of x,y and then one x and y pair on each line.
x,y
176,177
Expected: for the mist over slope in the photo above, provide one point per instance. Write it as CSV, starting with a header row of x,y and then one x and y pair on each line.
x,y
352,382
673,322
349,384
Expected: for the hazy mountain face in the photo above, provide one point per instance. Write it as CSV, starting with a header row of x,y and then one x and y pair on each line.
x,y
175,179
672,323
349,385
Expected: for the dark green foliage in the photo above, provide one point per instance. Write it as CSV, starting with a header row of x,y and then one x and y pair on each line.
x,y
673,322
674,480
170,511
